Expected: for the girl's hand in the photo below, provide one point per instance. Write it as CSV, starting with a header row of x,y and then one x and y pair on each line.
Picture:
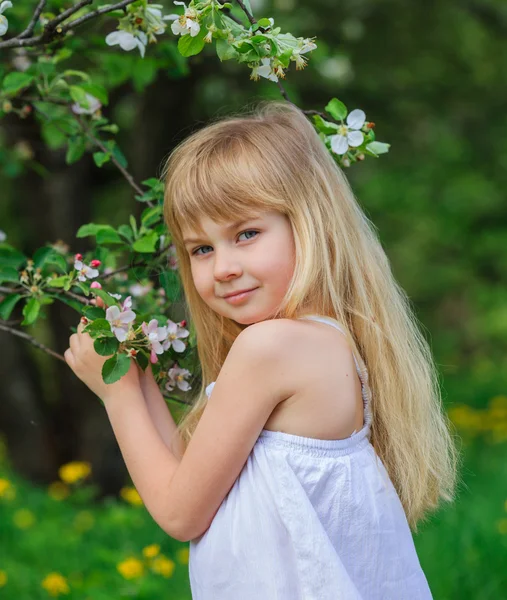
x,y
87,365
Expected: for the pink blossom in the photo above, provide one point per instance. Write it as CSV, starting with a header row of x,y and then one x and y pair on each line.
x,y
119,321
174,333
177,376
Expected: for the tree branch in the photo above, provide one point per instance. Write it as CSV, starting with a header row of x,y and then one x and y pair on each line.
x,y
31,26
4,326
247,13
53,30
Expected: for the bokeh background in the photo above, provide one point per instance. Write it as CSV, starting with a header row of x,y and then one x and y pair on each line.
x,y
431,75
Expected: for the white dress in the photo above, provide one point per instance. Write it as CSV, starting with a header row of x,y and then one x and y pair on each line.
x,y
309,519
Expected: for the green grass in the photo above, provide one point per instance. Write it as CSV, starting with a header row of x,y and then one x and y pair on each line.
x,y
461,549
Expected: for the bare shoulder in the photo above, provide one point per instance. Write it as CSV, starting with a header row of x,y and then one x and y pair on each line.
x,y
299,352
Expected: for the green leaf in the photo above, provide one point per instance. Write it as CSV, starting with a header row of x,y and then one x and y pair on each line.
x,y
264,23
53,136
9,274
126,231
15,82
325,126
115,368
78,94
108,300
7,305
101,326
150,216
74,73
97,91
142,360
48,255
170,282
146,243
105,346
59,282
144,73
224,50
75,149
336,109
190,46
94,312
31,311
10,257
101,158
377,148
104,234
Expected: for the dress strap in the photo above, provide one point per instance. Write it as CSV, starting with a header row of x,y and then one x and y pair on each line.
x,y
361,369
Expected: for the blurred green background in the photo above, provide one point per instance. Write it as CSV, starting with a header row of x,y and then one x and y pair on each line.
x,y
431,75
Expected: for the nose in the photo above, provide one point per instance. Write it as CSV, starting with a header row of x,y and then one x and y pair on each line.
x,y
226,265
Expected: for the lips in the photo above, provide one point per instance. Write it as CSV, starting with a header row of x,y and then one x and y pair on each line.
x,y
238,292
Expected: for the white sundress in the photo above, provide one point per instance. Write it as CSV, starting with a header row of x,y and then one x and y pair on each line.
x,y
309,519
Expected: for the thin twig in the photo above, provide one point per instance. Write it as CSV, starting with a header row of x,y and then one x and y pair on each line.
x,y
228,12
31,340
53,29
96,13
31,26
4,326
247,13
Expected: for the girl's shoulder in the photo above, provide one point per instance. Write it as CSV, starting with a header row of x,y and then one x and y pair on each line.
x,y
311,354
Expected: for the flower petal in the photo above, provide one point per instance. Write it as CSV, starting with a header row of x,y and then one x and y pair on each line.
x,y
4,25
112,313
356,119
339,144
178,346
120,333
355,138
113,38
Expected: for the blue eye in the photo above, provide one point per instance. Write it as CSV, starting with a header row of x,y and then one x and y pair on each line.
x,y
194,252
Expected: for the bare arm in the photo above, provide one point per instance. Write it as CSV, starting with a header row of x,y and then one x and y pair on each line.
x,y
159,412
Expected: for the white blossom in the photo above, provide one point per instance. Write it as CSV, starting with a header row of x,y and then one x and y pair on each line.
x,y
3,236
4,24
155,335
119,320
84,271
349,134
185,23
93,105
128,41
174,333
177,376
264,70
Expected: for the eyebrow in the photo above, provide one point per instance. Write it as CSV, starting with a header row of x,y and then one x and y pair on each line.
x,y
228,228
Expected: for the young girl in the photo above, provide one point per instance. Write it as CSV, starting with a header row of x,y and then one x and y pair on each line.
x,y
318,437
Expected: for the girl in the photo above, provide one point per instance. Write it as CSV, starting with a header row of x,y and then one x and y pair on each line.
x,y
298,473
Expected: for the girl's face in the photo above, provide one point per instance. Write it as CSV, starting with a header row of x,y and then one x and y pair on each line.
x,y
258,253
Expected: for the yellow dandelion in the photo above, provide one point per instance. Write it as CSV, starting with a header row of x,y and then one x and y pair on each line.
x,y
7,490
501,525
151,551
131,568
58,490
3,578
55,584
183,555
23,518
84,520
73,472
131,495
163,565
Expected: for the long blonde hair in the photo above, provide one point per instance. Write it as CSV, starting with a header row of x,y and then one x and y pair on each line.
x,y
271,158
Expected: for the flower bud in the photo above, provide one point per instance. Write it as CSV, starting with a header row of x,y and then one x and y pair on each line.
x,y
7,106
95,263
360,156
96,285
84,320
182,323
78,257
370,125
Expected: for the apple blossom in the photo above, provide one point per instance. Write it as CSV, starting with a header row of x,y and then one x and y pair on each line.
x,y
128,41
155,335
174,332
94,105
349,134
185,23
4,24
85,272
177,376
119,321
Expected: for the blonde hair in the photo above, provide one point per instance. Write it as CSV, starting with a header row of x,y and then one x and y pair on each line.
x,y
271,158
